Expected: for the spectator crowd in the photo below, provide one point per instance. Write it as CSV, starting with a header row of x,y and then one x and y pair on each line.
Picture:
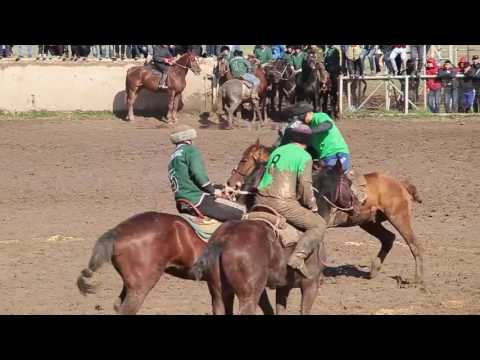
x,y
458,94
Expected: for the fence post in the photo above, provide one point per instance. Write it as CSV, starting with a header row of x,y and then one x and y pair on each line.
x,y
405,94
424,70
340,90
387,95
349,94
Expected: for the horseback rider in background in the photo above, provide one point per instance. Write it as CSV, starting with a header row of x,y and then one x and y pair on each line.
x,y
242,69
162,60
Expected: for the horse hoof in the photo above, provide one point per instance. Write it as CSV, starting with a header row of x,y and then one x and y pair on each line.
x,y
374,269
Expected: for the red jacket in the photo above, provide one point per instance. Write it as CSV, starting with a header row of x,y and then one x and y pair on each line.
x,y
433,84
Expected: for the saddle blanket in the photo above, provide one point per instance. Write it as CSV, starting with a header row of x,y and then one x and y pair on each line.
x,y
204,228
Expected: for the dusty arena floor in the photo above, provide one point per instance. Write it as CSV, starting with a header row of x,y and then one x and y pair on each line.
x,y
64,182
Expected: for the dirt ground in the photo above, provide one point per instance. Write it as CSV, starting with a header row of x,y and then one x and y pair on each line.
x,y
64,183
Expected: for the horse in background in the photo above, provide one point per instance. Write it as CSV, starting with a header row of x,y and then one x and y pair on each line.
x,y
144,77
231,94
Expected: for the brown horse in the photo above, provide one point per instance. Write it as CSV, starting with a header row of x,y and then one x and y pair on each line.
x,y
388,199
143,77
244,257
143,248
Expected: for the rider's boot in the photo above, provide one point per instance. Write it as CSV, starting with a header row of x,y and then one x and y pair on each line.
x,y
305,246
163,81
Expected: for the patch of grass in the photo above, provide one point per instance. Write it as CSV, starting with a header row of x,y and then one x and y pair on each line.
x,y
420,115
55,115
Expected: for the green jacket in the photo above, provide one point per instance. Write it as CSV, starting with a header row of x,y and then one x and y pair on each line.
x,y
263,54
297,60
239,66
330,142
187,174
288,176
324,143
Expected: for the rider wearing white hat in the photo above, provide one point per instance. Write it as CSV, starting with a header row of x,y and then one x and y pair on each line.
x,y
189,179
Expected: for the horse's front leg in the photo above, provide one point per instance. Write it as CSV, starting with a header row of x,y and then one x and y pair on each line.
x,y
309,288
171,102
176,103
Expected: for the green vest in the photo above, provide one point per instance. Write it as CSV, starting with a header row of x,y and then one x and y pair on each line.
x,y
264,55
330,142
187,174
297,60
289,158
239,66
288,57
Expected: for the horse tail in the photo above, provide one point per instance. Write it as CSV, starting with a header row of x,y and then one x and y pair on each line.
x,y
102,253
412,190
209,258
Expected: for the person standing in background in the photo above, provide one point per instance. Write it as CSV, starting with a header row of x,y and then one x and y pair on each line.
x,y
434,86
476,83
120,52
448,74
417,54
24,51
5,51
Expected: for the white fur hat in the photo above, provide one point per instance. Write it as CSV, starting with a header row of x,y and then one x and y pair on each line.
x,y
182,133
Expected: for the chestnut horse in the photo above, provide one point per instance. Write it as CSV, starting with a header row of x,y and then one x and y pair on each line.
x,y
244,257
388,199
143,248
143,77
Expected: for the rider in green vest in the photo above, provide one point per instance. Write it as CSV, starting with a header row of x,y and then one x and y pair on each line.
x,y
287,187
298,58
189,179
241,68
328,145
263,53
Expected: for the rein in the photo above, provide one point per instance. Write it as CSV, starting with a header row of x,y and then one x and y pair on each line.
x,y
332,204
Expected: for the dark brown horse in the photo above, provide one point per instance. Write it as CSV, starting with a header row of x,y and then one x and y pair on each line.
x,y
388,199
282,79
143,248
244,257
143,77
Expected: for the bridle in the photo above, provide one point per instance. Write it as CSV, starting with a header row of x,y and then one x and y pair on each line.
x,y
236,171
337,195
282,72
175,63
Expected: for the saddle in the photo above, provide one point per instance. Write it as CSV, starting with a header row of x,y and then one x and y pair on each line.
x,y
203,226
284,232
156,72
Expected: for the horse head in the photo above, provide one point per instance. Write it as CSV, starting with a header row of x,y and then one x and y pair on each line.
x,y
189,61
332,187
252,156
310,62
278,70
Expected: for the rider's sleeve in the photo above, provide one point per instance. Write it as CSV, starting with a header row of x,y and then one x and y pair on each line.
x,y
305,187
199,172
322,127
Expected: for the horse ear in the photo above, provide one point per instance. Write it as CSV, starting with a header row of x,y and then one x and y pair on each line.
x,y
257,143
339,166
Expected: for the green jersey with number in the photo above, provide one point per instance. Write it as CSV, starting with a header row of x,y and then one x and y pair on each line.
x,y
187,174
288,175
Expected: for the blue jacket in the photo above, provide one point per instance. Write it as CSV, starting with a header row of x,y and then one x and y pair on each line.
x,y
278,51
